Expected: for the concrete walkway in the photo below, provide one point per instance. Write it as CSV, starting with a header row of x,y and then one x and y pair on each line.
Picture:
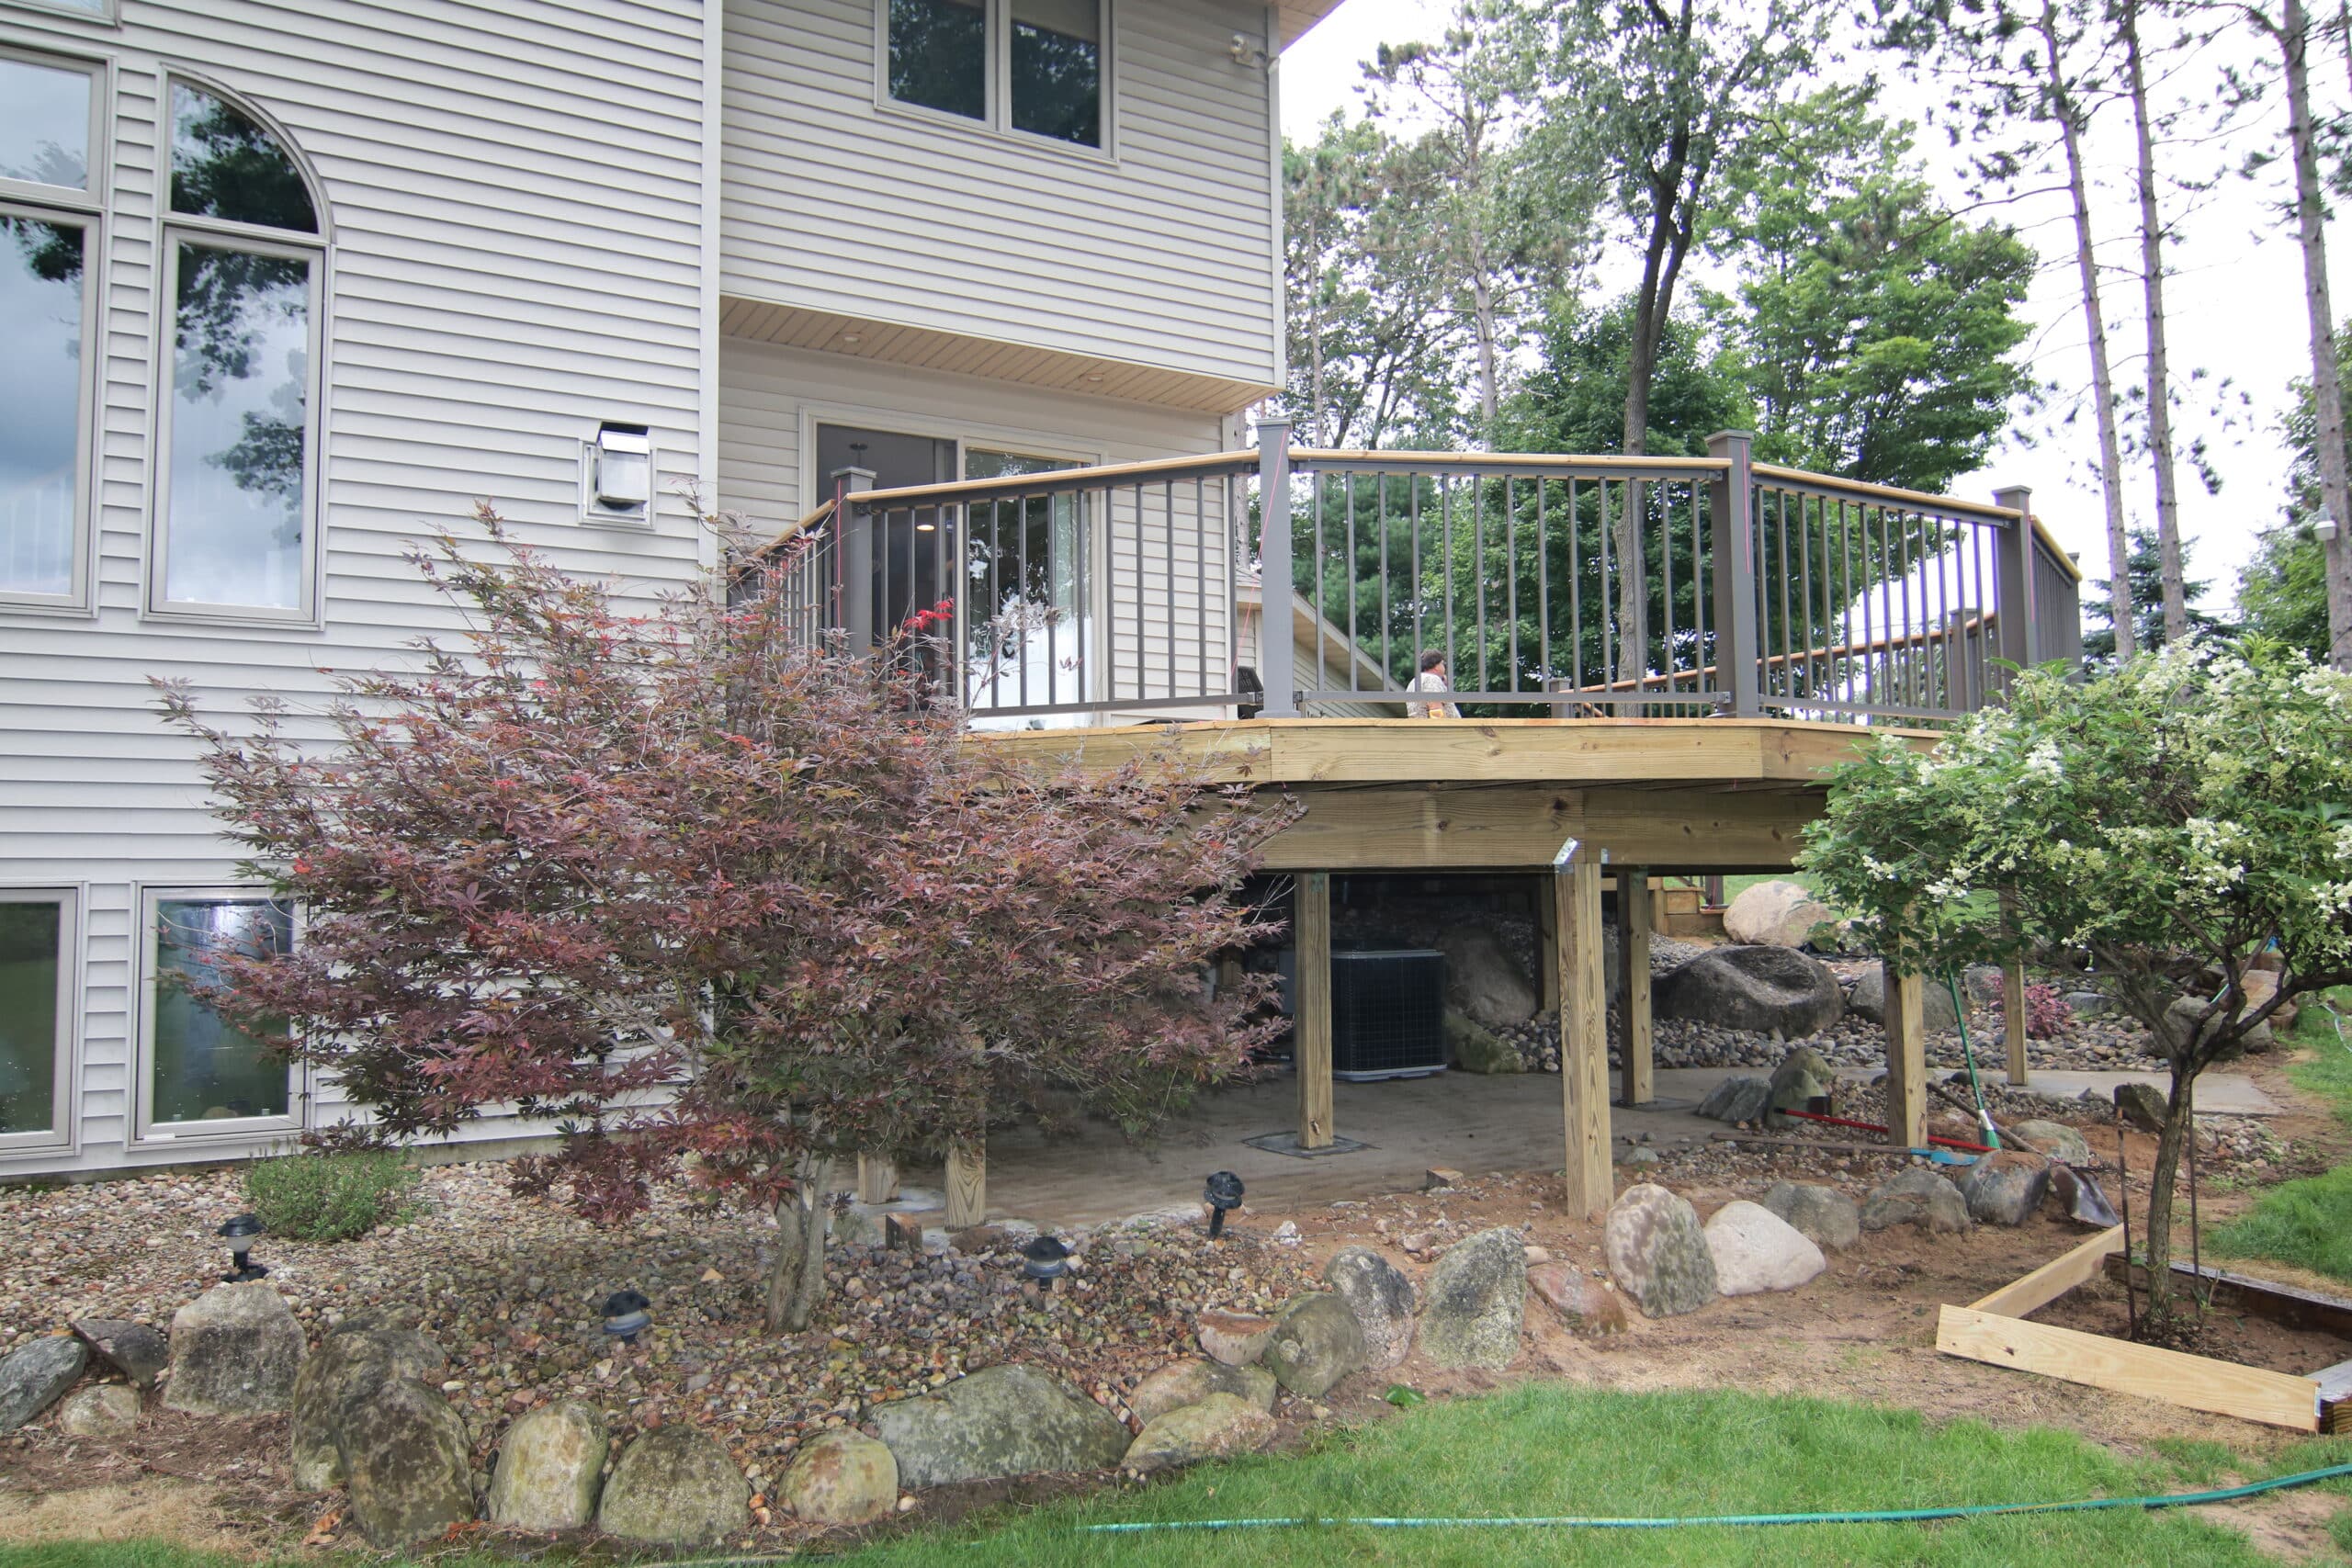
x,y
1477,1125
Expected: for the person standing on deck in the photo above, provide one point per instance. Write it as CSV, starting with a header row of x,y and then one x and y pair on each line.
x,y
1433,678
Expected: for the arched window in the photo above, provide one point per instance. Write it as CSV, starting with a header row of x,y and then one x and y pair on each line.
x,y
237,529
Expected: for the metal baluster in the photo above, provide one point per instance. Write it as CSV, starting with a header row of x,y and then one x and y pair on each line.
x,y
1355,664
1478,570
1544,594
1665,580
1201,585
1804,551
1445,502
1607,600
1575,596
1420,590
1510,574
1387,625
1168,567
1316,490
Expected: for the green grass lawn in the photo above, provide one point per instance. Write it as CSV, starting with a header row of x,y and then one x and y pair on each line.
x,y
1551,1450
2307,1223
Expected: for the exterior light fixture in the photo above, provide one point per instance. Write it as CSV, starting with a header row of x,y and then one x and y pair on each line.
x,y
2324,525
1223,1195
240,1232
620,477
1044,1260
625,1317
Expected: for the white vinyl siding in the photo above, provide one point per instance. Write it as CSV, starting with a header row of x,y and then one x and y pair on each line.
x,y
514,206
835,202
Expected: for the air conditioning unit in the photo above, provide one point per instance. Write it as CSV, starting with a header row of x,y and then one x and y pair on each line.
x,y
1387,1014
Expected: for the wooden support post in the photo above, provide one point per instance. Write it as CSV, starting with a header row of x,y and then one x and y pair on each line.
x,y
1311,1017
1906,1060
2013,1005
967,1185
1547,947
1584,1029
877,1179
1634,1085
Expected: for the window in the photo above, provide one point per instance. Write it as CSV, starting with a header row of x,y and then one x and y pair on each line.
x,y
49,225
203,1074
37,1010
237,431
101,9
1031,66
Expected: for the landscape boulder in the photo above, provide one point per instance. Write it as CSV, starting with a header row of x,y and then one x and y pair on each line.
x,y
2004,1188
1476,1301
1586,1305
1869,1001
1474,1050
1236,1338
105,1410
1657,1253
1483,980
1004,1420
1316,1342
2143,1105
1754,988
550,1468
842,1478
406,1461
2057,1140
236,1350
1189,1382
1757,1250
1221,1425
137,1351
1823,1214
32,1377
1802,1074
1380,1295
676,1487
349,1365
1915,1197
2258,1041
1742,1100
1775,914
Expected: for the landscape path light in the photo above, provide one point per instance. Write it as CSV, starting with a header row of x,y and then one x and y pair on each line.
x,y
625,1317
240,1232
1222,1194
1044,1260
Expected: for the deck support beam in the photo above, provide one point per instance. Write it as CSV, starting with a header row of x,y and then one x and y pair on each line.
x,y
1547,948
1584,1029
1635,1084
1311,1018
877,1179
2013,1018
967,1185
1906,1060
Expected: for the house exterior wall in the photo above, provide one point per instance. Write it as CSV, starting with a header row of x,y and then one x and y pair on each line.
x,y
517,211
1161,250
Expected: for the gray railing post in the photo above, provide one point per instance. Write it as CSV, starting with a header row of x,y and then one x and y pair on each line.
x,y
856,556
1729,504
2016,636
1275,586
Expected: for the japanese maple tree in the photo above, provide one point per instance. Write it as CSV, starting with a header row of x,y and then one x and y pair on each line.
x,y
690,887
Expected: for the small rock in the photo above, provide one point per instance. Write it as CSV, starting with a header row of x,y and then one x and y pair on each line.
x,y
550,1468
109,1410
1915,1197
1003,1420
2087,1004
1823,1214
675,1485
1869,1001
1739,1100
2143,1105
349,1365
2004,1188
842,1478
1474,1050
1755,1251
1438,1177
1804,1074
1584,1303
1477,1297
1191,1381
1216,1426
1755,989
1657,1253
1775,914
1380,1295
32,1376
137,1351
1316,1343
2056,1139
236,1350
1236,1338
404,1455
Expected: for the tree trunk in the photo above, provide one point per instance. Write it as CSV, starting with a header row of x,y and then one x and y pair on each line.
x,y
797,1277
2152,273
2179,1126
2292,36
2110,454
1315,329
1482,298
1661,260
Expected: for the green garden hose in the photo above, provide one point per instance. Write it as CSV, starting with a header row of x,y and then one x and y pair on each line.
x,y
1984,1117
1852,1516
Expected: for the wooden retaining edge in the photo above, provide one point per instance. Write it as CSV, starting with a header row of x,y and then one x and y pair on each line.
x,y
2053,1280
2289,1304
2197,1382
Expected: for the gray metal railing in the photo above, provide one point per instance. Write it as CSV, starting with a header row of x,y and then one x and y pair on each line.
x,y
1567,585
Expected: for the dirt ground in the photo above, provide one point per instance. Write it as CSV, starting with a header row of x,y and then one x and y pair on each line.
x,y
1863,1331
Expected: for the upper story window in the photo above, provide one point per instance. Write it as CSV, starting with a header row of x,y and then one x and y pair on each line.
x,y
1033,67
49,227
235,530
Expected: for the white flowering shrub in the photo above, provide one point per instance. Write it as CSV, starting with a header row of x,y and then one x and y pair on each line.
x,y
2173,819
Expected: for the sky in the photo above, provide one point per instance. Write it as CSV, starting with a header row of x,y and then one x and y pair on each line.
x,y
2234,303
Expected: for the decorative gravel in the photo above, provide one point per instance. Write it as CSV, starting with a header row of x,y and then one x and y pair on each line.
x,y
509,1287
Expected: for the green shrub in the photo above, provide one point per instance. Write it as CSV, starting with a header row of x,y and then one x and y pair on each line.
x,y
316,1196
